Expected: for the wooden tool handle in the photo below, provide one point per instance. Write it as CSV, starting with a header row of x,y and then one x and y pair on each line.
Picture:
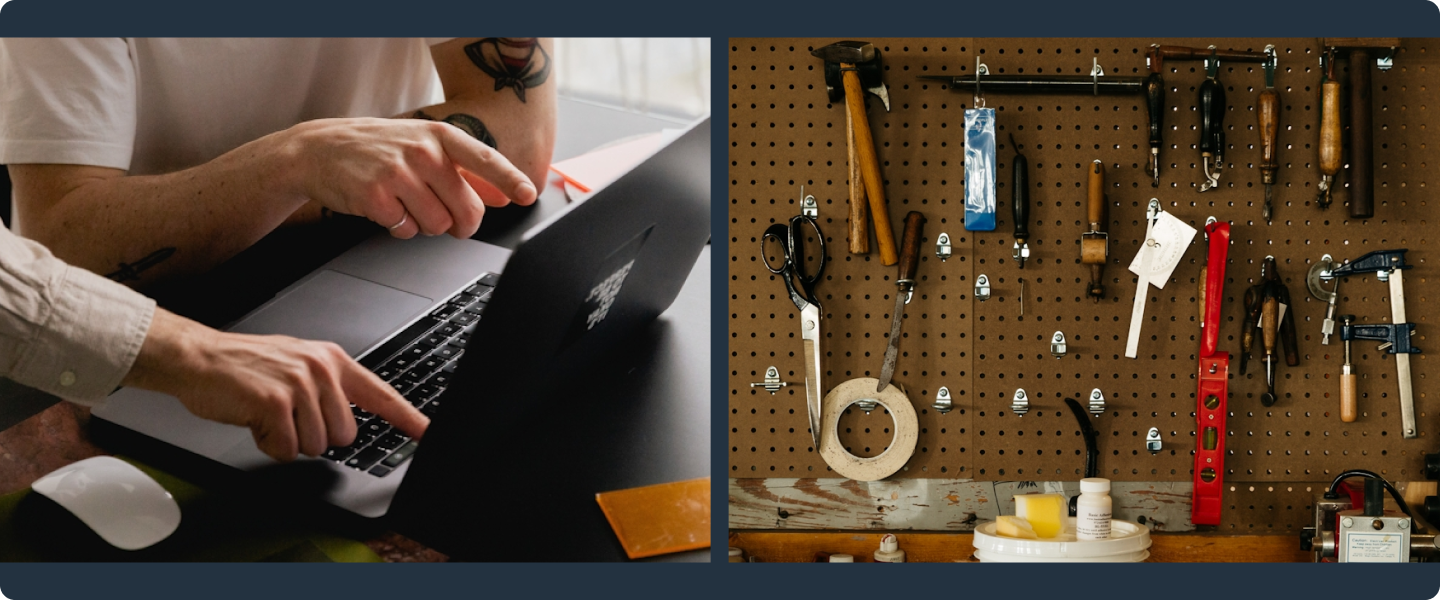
x,y
1287,330
1348,410
859,236
869,166
1269,115
1330,128
1212,114
910,248
1362,168
1268,315
1200,297
1095,196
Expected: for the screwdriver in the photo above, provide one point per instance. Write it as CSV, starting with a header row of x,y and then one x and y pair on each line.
x,y
1348,410
1268,327
1268,111
1329,130
1155,103
1020,205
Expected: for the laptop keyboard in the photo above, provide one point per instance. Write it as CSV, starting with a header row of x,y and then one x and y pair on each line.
x,y
419,363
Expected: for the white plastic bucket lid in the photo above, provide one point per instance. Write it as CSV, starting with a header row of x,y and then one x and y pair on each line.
x,y
1129,542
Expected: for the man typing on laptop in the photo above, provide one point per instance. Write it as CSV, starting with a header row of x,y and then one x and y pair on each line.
x,y
178,154
77,335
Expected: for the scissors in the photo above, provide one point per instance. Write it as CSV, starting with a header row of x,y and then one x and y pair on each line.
x,y
791,271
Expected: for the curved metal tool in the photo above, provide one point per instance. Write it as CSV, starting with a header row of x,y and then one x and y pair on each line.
x,y
1315,281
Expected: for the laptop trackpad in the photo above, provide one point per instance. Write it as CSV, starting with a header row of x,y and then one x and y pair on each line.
x,y
333,306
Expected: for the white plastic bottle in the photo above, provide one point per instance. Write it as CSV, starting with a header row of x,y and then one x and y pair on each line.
x,y
889,551
1092,510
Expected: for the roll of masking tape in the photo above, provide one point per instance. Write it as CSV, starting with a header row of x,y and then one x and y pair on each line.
x,y
885,464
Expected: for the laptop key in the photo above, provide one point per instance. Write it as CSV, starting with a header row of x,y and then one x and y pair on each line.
x,y
441,379
366,458
338,453
490,279
403,387
380,470
447,352
394,344
463,318
431,407
460,342
401,454
425,391
376,428
434,340
463,299
390,441
448,329
444,311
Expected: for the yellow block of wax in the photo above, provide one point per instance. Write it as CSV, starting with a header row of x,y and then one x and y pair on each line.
x,y
1014,527
1045,512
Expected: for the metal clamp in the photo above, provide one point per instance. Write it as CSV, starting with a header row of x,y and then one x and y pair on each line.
x,y
942,247
772,381
982,288
867,404
1152,440
1057,344
1097,402
943,404
808,206
1020,404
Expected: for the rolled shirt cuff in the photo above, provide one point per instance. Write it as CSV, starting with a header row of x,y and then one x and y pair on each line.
x,y
89,342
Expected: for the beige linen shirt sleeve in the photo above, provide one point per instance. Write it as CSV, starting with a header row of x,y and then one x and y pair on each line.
x,y
64,330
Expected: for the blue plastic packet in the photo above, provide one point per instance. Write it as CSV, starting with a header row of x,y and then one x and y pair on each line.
x,y
980,169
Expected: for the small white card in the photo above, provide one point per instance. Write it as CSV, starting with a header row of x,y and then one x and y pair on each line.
x,y
1174,237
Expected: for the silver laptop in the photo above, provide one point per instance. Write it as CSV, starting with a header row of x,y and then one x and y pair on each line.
x,y
436,319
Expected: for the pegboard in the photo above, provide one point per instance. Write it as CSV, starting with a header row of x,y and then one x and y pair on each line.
x,y
784,134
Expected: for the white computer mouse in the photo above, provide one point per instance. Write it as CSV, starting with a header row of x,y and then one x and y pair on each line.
x,y
119,502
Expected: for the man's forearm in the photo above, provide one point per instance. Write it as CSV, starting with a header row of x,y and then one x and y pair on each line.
x,y
142,228
502,91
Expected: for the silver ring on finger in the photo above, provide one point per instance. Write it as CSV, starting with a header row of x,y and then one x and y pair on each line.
x,y
403,219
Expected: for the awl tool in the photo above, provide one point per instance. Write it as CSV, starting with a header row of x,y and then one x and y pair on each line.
x,y
849,62
1213,385
1389,266
1095,243
1267,111
1330,131
905,284
1020,205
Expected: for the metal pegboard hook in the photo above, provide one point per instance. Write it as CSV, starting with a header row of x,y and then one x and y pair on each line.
x,y
980,69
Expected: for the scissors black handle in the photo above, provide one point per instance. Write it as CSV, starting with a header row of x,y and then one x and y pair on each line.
x,y
792,268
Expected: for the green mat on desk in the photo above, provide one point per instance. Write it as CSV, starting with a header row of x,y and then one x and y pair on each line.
x,y
213,528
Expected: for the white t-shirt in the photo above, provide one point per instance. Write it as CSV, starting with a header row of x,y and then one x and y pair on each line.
x,y
152,106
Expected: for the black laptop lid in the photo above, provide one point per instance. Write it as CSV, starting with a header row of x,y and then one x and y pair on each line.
x,y
574,290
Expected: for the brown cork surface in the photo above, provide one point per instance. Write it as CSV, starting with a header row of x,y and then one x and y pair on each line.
x,y
784,134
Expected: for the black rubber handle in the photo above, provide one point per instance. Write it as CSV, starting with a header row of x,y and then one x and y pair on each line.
x,y
1021,201
1155,104
1212,117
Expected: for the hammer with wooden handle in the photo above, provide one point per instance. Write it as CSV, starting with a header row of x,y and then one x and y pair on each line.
x,y
850,59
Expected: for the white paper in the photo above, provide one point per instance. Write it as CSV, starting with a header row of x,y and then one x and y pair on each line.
x,y
1174,237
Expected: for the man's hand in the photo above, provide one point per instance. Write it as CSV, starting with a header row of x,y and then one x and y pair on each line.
x,y
427,177
294,395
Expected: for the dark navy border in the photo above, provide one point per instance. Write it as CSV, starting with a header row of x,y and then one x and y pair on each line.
x,y
719,21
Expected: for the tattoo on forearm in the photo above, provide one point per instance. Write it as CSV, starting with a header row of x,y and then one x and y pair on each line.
x,y
466,123
132,271
517,63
